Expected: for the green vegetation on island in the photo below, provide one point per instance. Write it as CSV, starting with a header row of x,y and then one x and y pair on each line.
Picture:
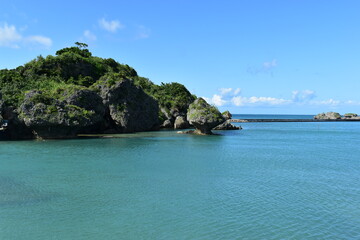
x,y
74,91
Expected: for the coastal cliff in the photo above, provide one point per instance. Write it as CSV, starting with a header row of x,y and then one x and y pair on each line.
x,y
74,92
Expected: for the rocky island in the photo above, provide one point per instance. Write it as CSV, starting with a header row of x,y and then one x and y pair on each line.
x,y
76,93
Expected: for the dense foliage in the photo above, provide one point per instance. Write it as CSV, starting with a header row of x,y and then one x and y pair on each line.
x,y
75,67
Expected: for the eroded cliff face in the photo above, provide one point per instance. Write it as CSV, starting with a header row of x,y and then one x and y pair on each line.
x,y
128,107
62,116
119,107
203,116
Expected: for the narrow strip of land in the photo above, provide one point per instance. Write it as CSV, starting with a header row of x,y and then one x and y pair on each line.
x,y
295,120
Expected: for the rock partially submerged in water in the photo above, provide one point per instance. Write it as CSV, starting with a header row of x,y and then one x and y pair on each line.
x,y
328,116
203,116
227,125
351,115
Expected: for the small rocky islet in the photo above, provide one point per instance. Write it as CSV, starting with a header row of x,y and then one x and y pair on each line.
x,y
336,116
73,93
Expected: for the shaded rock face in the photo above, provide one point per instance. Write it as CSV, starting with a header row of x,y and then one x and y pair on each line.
x,y
203,116
129,108
167,124
328,115
181,123
227,115
175,117
48,117
227,125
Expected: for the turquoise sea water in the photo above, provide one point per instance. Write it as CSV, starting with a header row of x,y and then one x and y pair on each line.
x,y
267,181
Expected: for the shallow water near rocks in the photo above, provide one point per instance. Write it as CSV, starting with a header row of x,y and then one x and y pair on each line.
x,y
267,181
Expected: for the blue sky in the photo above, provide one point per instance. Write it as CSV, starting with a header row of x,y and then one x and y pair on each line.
x,y
248,56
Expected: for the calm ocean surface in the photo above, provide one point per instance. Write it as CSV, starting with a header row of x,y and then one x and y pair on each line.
x,y
267,181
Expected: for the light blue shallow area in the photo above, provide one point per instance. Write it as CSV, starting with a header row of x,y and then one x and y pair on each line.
x,y
267,181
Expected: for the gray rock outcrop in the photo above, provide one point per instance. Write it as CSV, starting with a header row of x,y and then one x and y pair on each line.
x,y
181,123
328,116
50,117
351,116
167,124
129,108
227,115
227,125
203,116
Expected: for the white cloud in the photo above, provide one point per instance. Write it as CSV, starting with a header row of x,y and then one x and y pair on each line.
x,y
330,102
111,26
10,37
229,91
237,91
242,101
89,35
44,41
224,91
231,96
216,99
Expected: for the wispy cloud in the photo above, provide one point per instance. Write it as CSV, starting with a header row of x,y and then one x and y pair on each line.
x,y
266,68
110,26
303,96
142,32
242,101
44,41
89,36
10,37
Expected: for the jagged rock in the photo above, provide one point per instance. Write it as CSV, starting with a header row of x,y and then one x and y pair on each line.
x,y
328,116
129,108
227,125
350,115
227,115
51,117
167,124
203,116
181,123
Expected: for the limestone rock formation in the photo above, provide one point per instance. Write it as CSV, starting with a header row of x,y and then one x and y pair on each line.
x,y
129,108
227,115
181,123
350,115
167,124
50,117
328,116
227,125
203,116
